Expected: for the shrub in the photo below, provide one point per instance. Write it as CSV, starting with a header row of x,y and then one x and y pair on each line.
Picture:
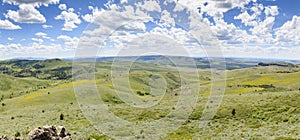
x,y
61,117
17,134
233,112
140,93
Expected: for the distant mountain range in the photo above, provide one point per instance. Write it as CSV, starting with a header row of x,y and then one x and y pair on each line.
x,y
153,57
201,62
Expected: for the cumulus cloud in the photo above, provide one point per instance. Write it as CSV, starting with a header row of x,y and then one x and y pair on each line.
x,y
253,19
149,6
246,19
214,8
40,34
167,18
271,11
71,19
31,2
90,17
110,20
6,24
230,34
14,46
261,28
62,7
43,35
69,42
264,27
26,14
289,32
114,18
38,40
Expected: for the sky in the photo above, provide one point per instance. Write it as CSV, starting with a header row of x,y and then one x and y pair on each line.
x,y
68,28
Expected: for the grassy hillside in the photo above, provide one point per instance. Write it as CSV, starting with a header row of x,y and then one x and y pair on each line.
x,y
264,100
42,69
12,87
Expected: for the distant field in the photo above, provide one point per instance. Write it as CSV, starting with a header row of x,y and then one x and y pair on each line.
x,y
265,100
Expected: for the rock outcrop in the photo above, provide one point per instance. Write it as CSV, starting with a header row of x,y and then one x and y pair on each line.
x,y
4,138
49,133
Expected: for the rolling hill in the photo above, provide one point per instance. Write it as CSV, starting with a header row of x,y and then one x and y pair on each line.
x,y
264,99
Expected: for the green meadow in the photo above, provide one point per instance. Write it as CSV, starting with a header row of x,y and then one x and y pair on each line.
x,y
260,102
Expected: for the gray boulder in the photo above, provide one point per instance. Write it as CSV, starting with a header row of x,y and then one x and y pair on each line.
x,y
49,133
4,138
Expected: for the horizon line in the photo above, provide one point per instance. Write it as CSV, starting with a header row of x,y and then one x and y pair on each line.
x,y
74,58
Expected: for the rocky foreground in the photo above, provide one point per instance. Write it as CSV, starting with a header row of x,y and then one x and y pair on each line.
x,y
45,133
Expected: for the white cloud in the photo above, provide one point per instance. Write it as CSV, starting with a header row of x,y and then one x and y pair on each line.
x,y
174,41
271,11
279,52
71,19
260,33
126,20
246,19
112,17
148,43
40,34
87,17
230,34
38,40
223,30
166,18
264,27
214,8
263,31
34,50
124,1
257,8
64,38
178,35
47,26
90,17
31,2
10,39
289,32
14,46
253,19
149,6
6,24
69,42
62,7
43,35
111,20
26,14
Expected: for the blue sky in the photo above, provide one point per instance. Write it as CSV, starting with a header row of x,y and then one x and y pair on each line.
x,y
243,28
